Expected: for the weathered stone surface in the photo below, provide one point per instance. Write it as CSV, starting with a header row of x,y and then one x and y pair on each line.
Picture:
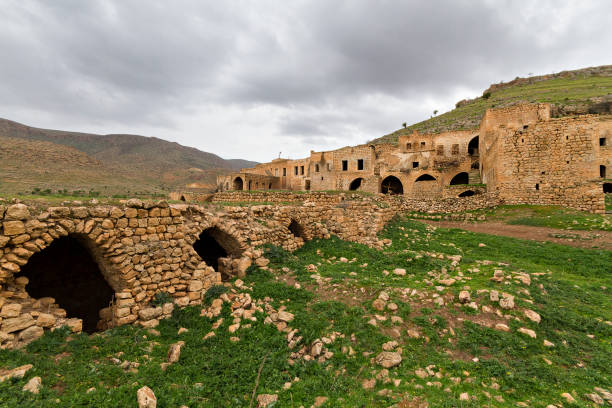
x,y
13,228
14,324
33,386
17,212
146,398
150,313
31,333
388,359
464,296
264,400
17,372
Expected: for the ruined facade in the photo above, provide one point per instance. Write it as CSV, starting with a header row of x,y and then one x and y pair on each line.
x,y
519,152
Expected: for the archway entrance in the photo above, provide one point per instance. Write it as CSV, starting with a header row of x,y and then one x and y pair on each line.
x,y
215,247
467,193
356,184
238,183
183,198
391,185
297,229
473,147
67,272
461,178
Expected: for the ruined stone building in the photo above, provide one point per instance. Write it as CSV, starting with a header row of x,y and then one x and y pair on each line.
x,y
520,152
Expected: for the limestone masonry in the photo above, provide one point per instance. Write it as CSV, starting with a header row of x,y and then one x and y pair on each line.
x,y
519,153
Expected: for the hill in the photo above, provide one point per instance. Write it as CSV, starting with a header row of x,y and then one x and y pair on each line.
x,y
116,163
587,90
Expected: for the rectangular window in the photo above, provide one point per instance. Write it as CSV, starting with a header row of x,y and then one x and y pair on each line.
x,y
329,166
422,145
317,168
276,172
302,170
455,149
602,141
440,150
360,164
408,146
415,165
344,165
296,173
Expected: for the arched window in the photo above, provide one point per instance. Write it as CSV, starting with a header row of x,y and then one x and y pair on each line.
x,y
238,184
473,147
425,177
356,184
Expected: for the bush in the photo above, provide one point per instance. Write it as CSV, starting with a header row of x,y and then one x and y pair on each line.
x,y
161,298
214,292
486,95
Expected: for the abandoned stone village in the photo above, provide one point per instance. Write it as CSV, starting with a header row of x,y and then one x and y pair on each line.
x,y
92,267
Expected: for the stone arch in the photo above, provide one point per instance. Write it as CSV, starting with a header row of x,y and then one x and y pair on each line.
x,y
391,185
607,188
467,193
425,177
72,272
216,247
297,229
460,178
238,183
473,146
356,184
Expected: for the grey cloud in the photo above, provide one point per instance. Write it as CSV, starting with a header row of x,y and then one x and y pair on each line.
x,y
324,71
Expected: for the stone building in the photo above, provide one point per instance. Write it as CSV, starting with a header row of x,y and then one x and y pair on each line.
x,y
518,151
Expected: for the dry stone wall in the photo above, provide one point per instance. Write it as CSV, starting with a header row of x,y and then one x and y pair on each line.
x,y
143,249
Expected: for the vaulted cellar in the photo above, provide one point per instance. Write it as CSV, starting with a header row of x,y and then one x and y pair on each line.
x,y
67,272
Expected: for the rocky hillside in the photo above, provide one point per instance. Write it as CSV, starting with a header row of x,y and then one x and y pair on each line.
x,y
587,90
115,163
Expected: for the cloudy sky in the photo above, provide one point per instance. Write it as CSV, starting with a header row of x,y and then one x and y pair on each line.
x,y
250,79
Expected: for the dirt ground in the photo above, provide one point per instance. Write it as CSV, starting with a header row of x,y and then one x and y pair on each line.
x,y
581,239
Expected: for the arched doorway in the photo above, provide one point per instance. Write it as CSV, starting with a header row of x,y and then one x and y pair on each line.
x,y
213,244
297,229
391,185
467,193
238,184
461,178
425,177
607,188
67,272
183,198
356,184
473,146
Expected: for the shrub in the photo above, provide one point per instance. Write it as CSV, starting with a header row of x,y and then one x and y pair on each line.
x,y
486,95
161,298
214,292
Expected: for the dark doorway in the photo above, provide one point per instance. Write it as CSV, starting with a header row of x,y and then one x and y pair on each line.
x,y
356,184
238,183
250,184
425,177
297,230
183,198
67,272
391,185
213,244
602,171
473,147
607,187
461,178
467,193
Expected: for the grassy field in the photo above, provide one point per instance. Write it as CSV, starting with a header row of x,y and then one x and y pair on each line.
x,y
559,91
456,358
538,216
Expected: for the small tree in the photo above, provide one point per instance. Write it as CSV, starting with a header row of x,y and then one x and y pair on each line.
x,y
435,112
404,125
486,95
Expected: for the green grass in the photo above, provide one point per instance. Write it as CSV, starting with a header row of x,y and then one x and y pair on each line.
x,y
572,294
561,91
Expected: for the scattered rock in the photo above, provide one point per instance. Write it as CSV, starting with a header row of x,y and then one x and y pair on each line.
x,y
595,398
533,316
399,271
263,400
368,384
146,398
174,353
507,301
528,332
319,401
388,359
17,372
568,397
33,385
464,296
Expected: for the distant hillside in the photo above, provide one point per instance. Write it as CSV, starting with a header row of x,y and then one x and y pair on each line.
x,y
587,90
114,161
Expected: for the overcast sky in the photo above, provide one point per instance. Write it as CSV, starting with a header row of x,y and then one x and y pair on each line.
x,y
250,79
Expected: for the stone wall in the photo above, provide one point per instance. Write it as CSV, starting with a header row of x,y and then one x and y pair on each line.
x,y
142,249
